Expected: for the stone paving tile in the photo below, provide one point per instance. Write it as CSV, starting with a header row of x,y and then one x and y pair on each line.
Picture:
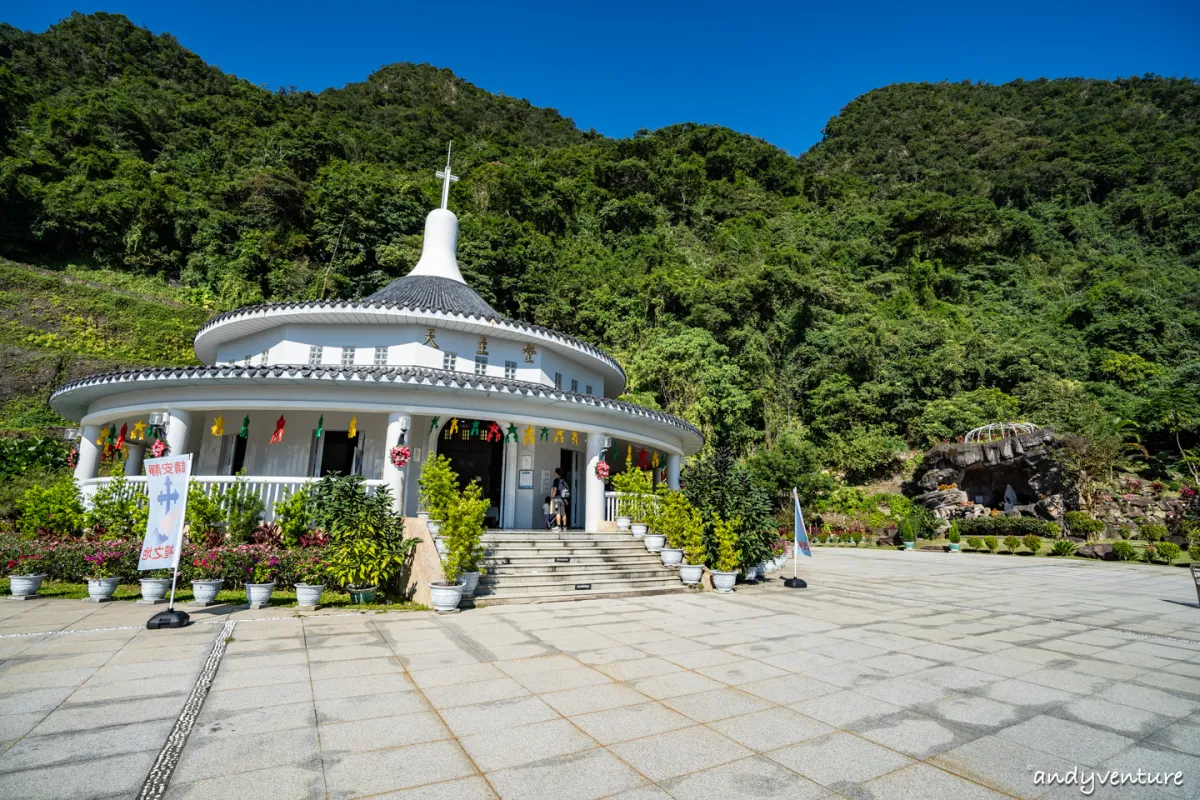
x,y
1124,720
751,777
975,713
771,729
1160,760
1150,700
581,776
379,771
258,696
14,726
102,778
641,668
668,755
39,752
302,780
497,716
674,684
926,782
348,709
844,708
592,698
469,694
1020,693
1183,736
562,679
839,761
630,722
108,715
475,788
287,716
1066,739
913,734
788,689
716,704
739,672
526,744
227,755
381,732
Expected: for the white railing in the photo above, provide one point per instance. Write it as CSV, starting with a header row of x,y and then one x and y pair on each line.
x,y
610,505
269,490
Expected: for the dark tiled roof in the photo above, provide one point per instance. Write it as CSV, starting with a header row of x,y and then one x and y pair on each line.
x,y
437,294
381,375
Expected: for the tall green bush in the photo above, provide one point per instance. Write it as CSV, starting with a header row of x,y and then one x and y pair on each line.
x,y
119,509
437,487
726,534
463,533
52,508
367,545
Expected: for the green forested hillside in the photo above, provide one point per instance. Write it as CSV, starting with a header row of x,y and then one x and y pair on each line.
x,y
949,254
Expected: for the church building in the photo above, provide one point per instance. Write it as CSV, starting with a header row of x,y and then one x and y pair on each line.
x,y
289,392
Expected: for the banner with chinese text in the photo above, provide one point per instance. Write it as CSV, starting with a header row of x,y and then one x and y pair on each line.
x,y
166,489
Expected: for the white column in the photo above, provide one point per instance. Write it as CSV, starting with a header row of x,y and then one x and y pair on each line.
x,y
178,424
133,464
394,478
673,463
89,453
508,481
593,509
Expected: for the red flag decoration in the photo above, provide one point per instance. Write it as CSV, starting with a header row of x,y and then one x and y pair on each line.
x,y
493,434
121,437
643,459
277,436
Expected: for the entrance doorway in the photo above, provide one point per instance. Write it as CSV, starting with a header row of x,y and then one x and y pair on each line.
x,y
336,452
568,462
473,457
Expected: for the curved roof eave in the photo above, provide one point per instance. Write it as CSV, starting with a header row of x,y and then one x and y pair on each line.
x,y
413,376
205,344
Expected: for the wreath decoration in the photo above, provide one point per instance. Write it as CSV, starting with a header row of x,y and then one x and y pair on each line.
x,y
399,456
602,470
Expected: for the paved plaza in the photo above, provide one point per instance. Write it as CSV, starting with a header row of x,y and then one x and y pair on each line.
x,y
894,675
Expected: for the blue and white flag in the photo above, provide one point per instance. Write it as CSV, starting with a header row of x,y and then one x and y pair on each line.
x,y
801,540
167,491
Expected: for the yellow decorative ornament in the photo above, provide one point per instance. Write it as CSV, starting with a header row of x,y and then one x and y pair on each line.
x,y
574,437
629,455
218,426
104,433
139,431
654,459
558,436
528,435
453,426
353,432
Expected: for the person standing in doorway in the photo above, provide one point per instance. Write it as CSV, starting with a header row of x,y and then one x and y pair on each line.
x,y
560,493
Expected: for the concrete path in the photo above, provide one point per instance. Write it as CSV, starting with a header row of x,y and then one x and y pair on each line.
x,y
895,675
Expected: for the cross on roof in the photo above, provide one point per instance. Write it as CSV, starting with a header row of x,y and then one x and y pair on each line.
x,y
447,178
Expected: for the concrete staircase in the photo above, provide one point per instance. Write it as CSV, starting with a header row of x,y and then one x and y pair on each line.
x,y
544,566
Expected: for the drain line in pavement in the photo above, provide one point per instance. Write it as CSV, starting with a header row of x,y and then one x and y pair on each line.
x,y
159,778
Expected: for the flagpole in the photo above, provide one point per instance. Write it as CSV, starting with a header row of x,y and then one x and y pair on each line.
x,y
795,582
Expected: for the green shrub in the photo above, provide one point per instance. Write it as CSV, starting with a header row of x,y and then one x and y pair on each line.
x,y
1124,551
953,535
119,510
1154,532
366,547
1081,524
1032,543
463,533
856,537
974,542
1001,526
36,454
205,517
437,486
908,531
243,509
52,508
991,542
293,515
1194,553
1011,543
726,535
1051,530
1168,552
1064,547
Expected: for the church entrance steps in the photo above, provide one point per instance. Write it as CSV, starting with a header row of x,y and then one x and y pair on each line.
x,y
543,566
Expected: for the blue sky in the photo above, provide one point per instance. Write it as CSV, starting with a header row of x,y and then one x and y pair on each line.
x,y
777,71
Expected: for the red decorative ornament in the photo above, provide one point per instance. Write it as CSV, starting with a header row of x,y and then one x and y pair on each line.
x,y
493,434
602,470
73,458
277,436
121,437
643,459
399,456
158,448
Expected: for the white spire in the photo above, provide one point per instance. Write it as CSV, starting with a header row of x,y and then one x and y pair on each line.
x,y
447,179
438,251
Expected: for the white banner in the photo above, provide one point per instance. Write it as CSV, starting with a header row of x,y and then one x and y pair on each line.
x,y
167,490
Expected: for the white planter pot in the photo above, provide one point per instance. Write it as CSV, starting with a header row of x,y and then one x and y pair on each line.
x,y
691,573
723,581
654,542
955,547
762,570
25,585
155,589
102,588
259,594
750,574
639,529
624,523
206,591
671,557
308,594
424,515
435,526
470,581
446,598
440,544
909,545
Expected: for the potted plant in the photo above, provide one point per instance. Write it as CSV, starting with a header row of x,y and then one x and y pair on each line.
x,y
265,571
671,519
208,569
23,579
955,538
692,568
102,577
366,538
626,485
465,552
641,486
724,576
310,581
155,585
908,534
437,490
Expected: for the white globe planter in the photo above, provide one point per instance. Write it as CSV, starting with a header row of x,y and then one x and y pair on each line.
x,y
205,591
154,590
446,597
308,594
435,526
723,581
639,529
101,589
654,542
690,574
25,585
671,557
259,594
470,581
624,523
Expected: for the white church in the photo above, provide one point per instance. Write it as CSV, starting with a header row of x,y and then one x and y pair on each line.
x,y
290,392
